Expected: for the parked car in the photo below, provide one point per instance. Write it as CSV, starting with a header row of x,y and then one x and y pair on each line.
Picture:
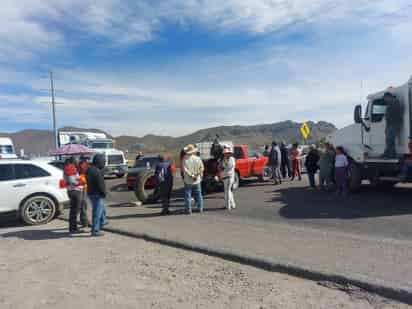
x,y
34,190
140,178
249,164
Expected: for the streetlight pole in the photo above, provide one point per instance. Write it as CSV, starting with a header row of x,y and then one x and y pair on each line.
x,y
56,142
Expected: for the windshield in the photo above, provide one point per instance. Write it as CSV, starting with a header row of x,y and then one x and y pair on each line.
x,y
101,145
6,149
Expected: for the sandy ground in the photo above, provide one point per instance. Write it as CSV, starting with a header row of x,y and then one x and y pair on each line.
x,y
43,267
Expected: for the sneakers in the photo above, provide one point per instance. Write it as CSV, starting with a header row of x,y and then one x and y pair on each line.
x,y
97,234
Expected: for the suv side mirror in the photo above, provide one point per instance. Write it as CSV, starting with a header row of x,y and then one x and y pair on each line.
x,y
357,114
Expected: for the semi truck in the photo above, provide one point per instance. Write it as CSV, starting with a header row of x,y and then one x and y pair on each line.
x,y
7,150
116,163
364,140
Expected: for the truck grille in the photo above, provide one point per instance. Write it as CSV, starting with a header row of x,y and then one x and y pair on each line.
x,y
115,159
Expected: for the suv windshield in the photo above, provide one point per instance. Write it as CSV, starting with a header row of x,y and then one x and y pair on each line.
x,y
6,149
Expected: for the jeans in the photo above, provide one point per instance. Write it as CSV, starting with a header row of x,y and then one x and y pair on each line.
x,y
84,220
276,174
75,204
311,177
196,190
341,180
285,168
165,194
98,213
229,198
390,138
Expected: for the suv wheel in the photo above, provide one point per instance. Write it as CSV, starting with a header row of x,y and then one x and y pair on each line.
x,y
38,209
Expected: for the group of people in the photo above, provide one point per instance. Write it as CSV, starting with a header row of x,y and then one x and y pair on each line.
x,y
84,181
192,170
284,163
332,165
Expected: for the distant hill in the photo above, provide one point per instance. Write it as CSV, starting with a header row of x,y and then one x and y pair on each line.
x,y
255,136
40,142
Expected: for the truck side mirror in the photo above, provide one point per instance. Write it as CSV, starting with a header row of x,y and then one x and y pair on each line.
x,y
357,115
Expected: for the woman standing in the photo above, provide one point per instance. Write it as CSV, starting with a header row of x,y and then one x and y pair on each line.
x,y
341,169
228,176
295,156
312,165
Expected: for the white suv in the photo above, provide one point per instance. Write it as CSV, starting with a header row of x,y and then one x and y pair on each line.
x,y
33,189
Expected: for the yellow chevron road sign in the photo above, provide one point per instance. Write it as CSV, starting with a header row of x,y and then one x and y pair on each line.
x,y
305,130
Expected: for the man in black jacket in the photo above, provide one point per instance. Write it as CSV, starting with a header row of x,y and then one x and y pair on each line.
x,y
285,166
393,117
96,190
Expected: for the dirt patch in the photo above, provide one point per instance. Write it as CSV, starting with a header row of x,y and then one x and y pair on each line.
x,y
43,267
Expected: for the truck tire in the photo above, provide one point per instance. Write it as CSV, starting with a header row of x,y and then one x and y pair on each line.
x,y
266,174
354,177
120,175
236,184
142,194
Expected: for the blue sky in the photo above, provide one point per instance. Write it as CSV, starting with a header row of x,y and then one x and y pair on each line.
x,y
172,67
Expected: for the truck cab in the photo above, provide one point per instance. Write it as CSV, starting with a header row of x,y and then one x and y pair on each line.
x,y
7,150
365,141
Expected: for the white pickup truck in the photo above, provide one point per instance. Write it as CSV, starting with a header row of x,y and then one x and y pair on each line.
x,y
364,141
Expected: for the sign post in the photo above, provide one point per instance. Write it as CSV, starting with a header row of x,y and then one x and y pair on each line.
x,y
305,130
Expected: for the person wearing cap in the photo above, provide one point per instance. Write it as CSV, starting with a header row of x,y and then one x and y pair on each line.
x,y
393,117
312,165
228,176
275,161
192,176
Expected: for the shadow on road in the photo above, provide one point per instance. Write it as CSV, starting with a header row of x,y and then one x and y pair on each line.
x,y
303,203
38,234
8,220
120,188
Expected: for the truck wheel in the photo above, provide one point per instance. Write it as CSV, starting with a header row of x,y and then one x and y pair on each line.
x,y
145,190
236,184
354,177
266,174
120,175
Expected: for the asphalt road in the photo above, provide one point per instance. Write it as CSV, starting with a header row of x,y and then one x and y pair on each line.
x,y
371,212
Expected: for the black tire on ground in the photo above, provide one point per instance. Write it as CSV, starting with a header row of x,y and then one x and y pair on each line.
x,y
121,175
38,209
141,193
236,184
354,177
266,174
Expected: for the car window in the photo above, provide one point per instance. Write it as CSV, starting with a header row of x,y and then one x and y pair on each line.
x,y
238,153
24,171
251,153
378,110
6,172
6,149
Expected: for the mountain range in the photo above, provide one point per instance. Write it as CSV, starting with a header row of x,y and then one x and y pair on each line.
x,y
40,142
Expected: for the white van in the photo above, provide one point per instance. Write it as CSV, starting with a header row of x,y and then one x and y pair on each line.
x,y
7,150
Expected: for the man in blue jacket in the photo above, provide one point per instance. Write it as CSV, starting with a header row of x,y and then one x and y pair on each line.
x,y
164,181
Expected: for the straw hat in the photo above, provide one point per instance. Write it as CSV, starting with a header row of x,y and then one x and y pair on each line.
x,y
190,149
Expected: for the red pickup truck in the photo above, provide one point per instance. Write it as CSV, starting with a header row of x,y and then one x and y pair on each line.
x,y
249,164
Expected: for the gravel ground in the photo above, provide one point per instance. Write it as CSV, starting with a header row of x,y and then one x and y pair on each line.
x,y
43,267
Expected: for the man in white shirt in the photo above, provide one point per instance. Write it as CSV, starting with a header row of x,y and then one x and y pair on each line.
x,y
192,176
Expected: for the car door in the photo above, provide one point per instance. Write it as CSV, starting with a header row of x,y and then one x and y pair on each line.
x,y
28,179
8,202
241,161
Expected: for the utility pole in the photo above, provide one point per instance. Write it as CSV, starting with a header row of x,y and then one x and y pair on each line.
x,y
56,143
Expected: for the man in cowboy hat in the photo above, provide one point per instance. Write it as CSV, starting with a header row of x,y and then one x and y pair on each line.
x,y
192,176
